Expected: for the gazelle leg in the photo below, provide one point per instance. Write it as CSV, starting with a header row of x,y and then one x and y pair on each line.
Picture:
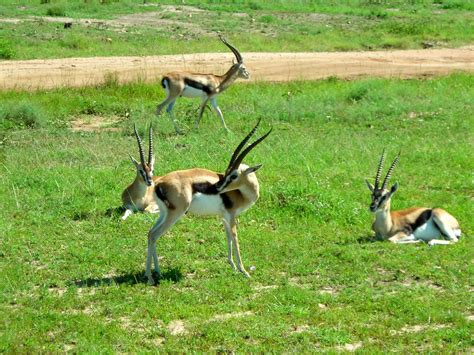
x,y
228,233
127,213
169,109
162,105
440,242
403,238
219,112
201,110
235,244
160,227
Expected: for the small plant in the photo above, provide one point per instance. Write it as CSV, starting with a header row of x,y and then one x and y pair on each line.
x,y
22,115
73,41
42,2
6,50
56,11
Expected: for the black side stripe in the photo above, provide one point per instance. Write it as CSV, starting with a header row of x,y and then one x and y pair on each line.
x,y
161,194
197,85
226,201
422,219
205,188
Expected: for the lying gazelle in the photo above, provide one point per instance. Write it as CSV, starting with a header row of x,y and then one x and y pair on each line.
x,y
139,195
410,225
204,192
205,86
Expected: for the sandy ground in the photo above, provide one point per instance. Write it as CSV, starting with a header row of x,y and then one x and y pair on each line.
x,y
275,67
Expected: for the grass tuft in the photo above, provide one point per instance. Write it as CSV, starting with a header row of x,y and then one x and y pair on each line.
x,y
21,115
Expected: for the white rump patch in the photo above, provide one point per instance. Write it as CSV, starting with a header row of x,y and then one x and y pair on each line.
x,y
206,205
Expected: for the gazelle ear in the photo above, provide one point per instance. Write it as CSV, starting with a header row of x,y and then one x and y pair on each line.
x,y
370,186
393,188
252,169
133,160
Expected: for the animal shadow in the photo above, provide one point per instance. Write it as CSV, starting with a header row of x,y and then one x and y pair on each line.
x,y
173,275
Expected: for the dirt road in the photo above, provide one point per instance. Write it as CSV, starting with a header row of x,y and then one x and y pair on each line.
x,y
277,67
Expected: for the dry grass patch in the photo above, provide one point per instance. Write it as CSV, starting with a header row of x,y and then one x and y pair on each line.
x,y
92,123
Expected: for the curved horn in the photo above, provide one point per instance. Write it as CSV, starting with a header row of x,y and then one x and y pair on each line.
x,y
150,142
249,148
241,145
379,170
140,147
234,50
390,171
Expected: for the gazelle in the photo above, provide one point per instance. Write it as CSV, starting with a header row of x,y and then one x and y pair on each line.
x,y
205,86
410,225
139,195
204,192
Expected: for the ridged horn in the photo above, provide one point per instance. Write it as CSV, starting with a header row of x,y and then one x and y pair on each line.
x,y
240,146
234,50
390,171
150,142
379,170
140,147
242,155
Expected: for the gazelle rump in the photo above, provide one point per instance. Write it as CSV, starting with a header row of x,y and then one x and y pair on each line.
x,y
204,192
139,195
410,225
205,86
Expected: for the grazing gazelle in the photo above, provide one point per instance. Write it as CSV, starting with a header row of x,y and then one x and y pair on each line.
x,y
205,86
139,195
410,225
204,192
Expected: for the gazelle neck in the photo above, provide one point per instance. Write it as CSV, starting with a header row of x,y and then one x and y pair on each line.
x,y
229,77
139,185
383,221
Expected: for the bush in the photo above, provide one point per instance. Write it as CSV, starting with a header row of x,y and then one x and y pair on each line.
x,y
73,41
6,50
22,115
56,11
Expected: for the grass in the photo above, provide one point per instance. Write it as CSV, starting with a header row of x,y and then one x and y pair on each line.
x,y
71,273
133,28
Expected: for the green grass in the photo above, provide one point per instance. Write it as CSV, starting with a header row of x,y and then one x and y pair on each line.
x,y
71,273
134,28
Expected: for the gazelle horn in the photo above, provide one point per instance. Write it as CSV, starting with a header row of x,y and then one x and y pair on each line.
x,y
240,146
150,142
379,169
237,54
140,147
390,171
242,155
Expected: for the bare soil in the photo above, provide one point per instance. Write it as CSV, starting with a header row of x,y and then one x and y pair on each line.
x,y
274,67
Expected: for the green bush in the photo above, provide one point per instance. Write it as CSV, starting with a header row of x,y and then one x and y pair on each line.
x,y
6,50
56,11
21,115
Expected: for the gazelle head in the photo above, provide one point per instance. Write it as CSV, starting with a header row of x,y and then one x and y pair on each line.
x,y
237,173
242,70
144,169
381,195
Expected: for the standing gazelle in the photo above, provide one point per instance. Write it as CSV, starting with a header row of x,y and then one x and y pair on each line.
x,y
410,225
139,195
205,86
204,192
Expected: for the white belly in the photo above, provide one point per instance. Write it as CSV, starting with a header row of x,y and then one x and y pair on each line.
x,y
189,91
427,231
206,205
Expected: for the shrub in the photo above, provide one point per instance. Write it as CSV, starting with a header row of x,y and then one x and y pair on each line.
x,y
56,11
22,115
6,50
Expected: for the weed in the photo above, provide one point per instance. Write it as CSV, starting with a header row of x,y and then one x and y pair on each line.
x,y
56,10
21,115
6,50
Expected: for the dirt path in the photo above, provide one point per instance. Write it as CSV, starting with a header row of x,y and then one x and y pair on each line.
x,y
277,67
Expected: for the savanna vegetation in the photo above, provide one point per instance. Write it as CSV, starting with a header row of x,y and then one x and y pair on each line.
x,y
35,29
72,273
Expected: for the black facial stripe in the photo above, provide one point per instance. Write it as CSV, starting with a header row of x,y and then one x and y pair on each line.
x,y
197,85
